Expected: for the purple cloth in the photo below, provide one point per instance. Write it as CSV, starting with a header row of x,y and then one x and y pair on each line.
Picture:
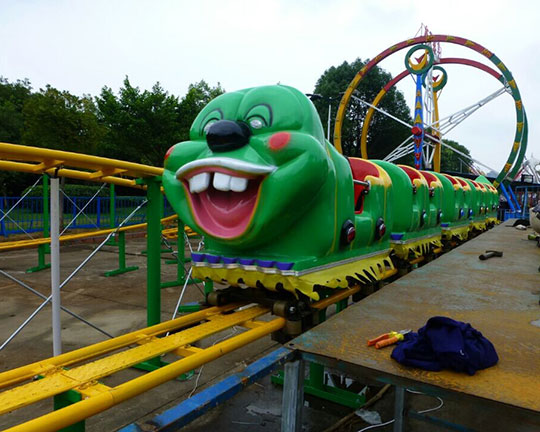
x,y
444,343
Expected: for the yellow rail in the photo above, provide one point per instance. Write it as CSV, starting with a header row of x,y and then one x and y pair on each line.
x,y
37,160
24,244
98,397
172,233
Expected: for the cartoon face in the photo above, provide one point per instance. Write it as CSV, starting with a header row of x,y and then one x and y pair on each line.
x,y
255,161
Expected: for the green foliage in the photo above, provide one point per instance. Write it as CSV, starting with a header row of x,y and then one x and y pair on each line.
x,y
197,97
12,99
59,120
384,133
136,125
142,125
71,190
451,161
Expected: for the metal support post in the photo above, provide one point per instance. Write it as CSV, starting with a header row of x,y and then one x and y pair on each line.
x,y
153,246
46,229
208,286
316,376
180,253
341,305
121,257
112,213
112,206
43,249
293,397
508,197
65,399
180,260
511,192
399,408
55,266
153,260
525,205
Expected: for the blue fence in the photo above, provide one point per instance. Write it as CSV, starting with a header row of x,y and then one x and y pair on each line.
x,y
28,214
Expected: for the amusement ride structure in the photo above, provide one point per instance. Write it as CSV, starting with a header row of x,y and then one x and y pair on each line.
x,y
289,223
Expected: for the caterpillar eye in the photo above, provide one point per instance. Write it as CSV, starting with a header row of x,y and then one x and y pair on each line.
x,y
256,123
207,126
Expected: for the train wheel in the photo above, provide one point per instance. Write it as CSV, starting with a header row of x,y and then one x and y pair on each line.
x,y
217,298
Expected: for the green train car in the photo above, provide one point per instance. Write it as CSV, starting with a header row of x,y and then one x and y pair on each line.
x,y
281,210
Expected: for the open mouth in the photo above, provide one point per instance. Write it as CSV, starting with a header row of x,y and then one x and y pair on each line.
x,y
223,192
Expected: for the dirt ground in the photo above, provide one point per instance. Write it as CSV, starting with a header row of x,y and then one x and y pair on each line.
x,y
115,304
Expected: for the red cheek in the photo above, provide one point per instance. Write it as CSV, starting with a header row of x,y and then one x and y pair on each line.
x,y
168,153
279,140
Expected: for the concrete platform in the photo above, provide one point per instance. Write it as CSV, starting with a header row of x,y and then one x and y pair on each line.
x,y
499,297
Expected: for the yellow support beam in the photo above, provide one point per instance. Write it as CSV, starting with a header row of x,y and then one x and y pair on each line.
x,y
15,152
60,380
39,168
43,367
105,399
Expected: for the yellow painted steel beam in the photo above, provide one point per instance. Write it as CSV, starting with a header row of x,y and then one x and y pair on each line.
x,y
60,380
22,244
15,152
107,399
340,295
27,372
64,172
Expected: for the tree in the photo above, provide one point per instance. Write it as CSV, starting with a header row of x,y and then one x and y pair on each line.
x,y
197,96
12,99
142,125
450,160
59,120
384,133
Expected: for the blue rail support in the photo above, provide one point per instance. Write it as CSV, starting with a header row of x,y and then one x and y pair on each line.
x,y
518,208
508,198
195,406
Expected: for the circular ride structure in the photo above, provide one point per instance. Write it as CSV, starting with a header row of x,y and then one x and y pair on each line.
x,y
427,133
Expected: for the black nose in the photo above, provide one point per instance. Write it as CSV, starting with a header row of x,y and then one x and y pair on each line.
x,y
225,135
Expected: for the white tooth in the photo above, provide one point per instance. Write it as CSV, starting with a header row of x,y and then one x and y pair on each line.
x,y
222,181
239,184
199,182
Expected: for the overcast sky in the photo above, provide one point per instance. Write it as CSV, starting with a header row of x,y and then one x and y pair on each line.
x,y
81,46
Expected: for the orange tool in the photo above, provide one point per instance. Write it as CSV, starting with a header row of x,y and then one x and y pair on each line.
x,y
388,338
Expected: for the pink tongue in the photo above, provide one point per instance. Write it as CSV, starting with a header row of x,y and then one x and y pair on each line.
x,y
225,214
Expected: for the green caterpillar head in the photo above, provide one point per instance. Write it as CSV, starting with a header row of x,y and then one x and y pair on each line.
x,y
255,160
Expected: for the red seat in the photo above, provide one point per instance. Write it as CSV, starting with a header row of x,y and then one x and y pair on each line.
x,y
463,183
452,179
429,177
361,168
411,172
